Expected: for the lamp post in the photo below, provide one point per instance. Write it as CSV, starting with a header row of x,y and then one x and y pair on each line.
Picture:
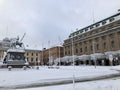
x,y
49,53
59,51
42,57
73,64
111,59
94,52
59,55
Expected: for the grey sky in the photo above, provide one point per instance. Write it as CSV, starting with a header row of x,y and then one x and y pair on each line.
x,y
44,20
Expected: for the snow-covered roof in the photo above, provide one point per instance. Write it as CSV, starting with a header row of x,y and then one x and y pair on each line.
x,y
16,50
32,48
68,58
96,56
84,57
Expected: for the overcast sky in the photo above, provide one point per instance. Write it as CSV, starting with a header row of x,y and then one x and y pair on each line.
x,y
44,20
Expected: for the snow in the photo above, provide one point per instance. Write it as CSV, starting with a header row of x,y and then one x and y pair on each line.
x,y
110,84
29,76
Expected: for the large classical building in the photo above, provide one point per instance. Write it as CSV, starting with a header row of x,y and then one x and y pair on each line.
x,y
100,37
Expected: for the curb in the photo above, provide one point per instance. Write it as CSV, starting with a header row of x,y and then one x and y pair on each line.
x,y
63,81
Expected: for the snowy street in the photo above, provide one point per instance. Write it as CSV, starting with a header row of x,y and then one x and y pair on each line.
x,y
110,84
31,76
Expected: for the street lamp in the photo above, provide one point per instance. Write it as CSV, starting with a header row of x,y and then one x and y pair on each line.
x,y
111,59
93,53
73,64
59,49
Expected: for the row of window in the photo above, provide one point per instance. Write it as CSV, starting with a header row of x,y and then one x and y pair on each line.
x,y
32,59
92,27
111,36
96,47
32,54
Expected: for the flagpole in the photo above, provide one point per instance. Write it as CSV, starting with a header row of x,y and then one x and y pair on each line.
x,y
59,50
94,52
42,55
49,51
59,55
73,64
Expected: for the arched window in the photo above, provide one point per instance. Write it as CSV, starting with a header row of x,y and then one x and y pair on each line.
x,y
104,45
112,44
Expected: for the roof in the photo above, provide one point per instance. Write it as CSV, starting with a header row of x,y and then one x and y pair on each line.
x,y
16,50
32,49
86,28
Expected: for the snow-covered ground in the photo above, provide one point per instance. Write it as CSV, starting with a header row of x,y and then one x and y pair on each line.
x,y
110,84
29,76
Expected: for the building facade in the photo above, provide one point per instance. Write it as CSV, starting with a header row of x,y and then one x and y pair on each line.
x,y
48,56
33,56
102,36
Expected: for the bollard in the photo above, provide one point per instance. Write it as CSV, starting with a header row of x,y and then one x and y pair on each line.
x,y
37,67
9,68
24,67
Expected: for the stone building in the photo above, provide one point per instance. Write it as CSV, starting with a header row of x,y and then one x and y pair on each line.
x,y
100,37
48,56
33,56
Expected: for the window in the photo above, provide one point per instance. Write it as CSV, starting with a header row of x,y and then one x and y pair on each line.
x,y
69,52
104,22
32,54
91,47
81,31
97,46
104,45
86,29
91,27
96,39
70,36
85,42
112,44
90,41
85,49
97,25
111,35
103,37
77,32
80,49
65,52
118,33
111,19
76,50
